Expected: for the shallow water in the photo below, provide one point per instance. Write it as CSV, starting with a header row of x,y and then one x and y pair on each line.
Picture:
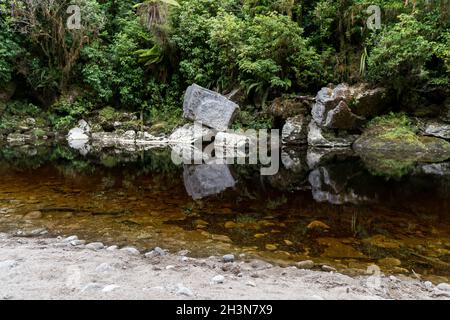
x,y
340,211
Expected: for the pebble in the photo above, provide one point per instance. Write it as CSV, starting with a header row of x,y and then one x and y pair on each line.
x,y
110,288
218,279
95,246
33,215
428,284
250,284
104,267
91,286
443,286
182,290
169,267
307,264
228,258
8,264
184,259
112,248
77,242
183,252
160,251
70,239
394,279
130,250
328,268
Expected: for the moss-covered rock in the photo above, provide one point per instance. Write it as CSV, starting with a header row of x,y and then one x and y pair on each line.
x,y
391,146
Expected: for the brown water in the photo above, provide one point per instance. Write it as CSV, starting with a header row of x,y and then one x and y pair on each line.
x,y
338,213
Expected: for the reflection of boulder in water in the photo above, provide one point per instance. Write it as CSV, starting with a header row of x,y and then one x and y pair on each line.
x,y
207,179
316,157
437,169
335,184
293,175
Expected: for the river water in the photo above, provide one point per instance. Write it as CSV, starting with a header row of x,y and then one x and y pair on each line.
x,y
331,207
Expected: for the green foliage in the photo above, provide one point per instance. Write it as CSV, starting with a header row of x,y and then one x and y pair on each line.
x,y
401,54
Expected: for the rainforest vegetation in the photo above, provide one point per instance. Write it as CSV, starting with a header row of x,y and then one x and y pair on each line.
x,y
141,56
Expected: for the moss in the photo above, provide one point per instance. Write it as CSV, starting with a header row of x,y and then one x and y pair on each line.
x,y
108,113
39,133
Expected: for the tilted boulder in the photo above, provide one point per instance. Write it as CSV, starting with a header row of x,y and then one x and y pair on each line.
x,y
208,108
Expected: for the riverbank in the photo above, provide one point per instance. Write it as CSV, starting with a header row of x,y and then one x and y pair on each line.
x,y
43,268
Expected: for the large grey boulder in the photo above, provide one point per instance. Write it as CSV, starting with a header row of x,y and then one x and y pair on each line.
x,y
295,130
346,107
319,137
208,179
208,108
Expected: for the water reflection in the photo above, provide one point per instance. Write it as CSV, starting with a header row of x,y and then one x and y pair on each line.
x,y
326,205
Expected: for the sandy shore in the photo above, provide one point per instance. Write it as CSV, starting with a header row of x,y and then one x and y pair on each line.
x,y
42,268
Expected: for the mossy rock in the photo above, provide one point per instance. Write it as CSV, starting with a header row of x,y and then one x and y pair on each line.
x,y
390,146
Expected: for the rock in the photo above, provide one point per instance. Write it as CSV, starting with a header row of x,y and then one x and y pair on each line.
x,y
295,130
104,267
19,137
285,108
77,242
70,239
183,252
346,107
207,179
250,284
170,267
160,251
228,258
81,132
112,248
188,154
271,247
385,141
443,286
328,268
438,169
91,287
316,224
33,215
95,246
307,264
110,288
233,145
130,250
129,135
389,262
341,117
332,184
428,284
331,110
82,146
184,291
8,264
208,108
316,157
192,134
218,279
318,137
436,129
